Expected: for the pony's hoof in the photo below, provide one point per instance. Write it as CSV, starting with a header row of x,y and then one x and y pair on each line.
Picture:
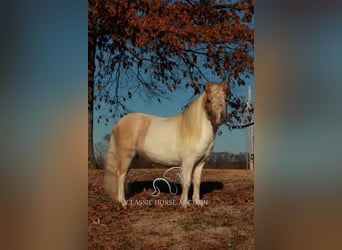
x,y
123,204
184,203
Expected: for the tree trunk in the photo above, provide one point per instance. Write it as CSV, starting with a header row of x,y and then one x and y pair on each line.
x,y
91,71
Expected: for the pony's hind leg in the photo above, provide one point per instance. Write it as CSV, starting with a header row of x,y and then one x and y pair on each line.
x,y
122,172
126,133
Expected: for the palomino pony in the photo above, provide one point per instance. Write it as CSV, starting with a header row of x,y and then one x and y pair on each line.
x,y
184,140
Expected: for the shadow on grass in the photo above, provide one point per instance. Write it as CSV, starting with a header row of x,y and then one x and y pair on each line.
x,y
137,187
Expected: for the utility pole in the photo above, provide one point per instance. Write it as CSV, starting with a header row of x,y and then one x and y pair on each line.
x,y
250,136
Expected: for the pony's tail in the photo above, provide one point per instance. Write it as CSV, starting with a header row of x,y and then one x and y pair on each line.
x,y
111,169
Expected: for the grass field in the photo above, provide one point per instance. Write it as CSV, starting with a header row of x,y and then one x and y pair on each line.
x,y
226,222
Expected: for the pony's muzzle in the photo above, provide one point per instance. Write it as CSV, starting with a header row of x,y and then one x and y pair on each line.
x,y
220,118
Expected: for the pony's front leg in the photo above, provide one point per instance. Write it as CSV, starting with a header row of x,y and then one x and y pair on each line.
x,y
196,181
186,181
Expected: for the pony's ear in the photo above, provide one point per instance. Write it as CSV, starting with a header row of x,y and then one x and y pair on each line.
x,y
207,87
224,86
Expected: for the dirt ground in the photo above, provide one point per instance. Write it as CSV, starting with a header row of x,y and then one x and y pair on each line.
x,y
225,222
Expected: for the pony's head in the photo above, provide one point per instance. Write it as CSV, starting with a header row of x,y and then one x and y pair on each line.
x,y
215,102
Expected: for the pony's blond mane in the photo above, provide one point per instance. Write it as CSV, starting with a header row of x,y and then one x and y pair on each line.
x,y
190,122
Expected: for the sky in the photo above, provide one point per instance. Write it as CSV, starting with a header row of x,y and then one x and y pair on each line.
x,y
234,141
